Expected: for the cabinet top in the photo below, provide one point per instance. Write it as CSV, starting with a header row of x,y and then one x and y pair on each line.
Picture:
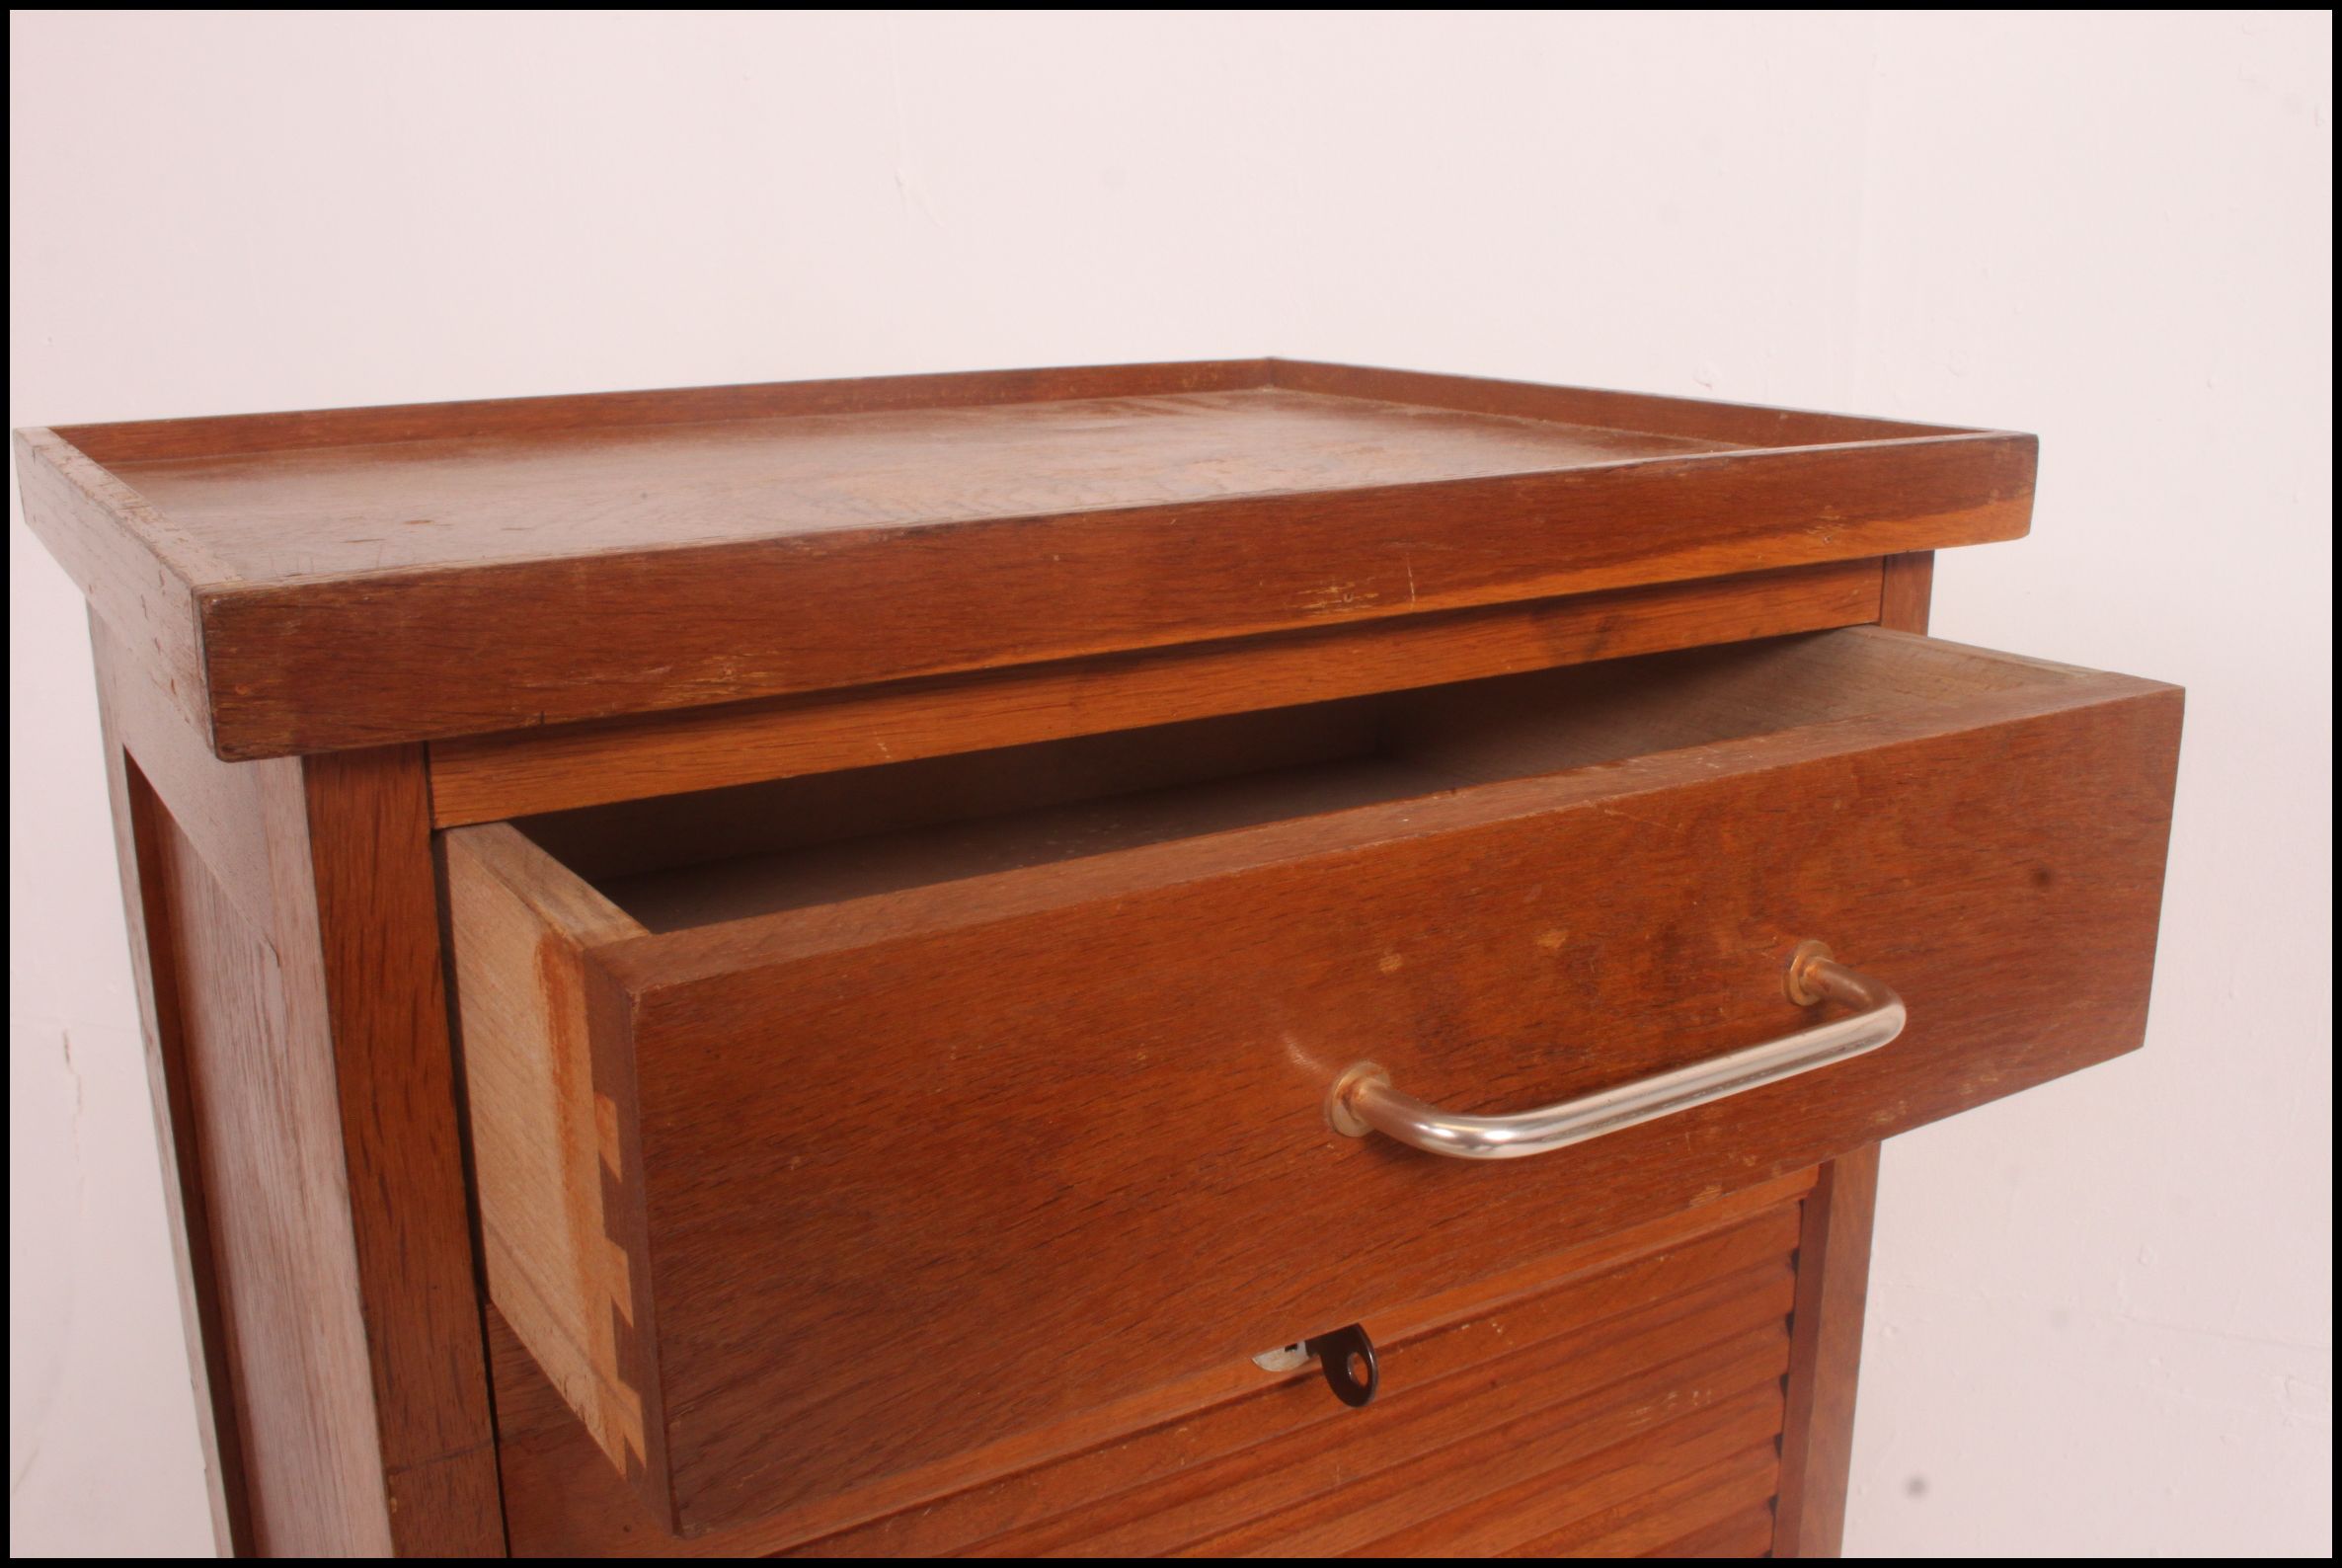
x,y
315,581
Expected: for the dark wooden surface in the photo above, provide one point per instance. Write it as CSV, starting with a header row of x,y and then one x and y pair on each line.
x,y
287,931
1593,1328
332,581
1114,1067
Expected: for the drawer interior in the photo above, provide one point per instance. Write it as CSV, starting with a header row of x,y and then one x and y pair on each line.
x,y
691,860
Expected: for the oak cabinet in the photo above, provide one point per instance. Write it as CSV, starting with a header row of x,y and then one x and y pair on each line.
x,y
884,967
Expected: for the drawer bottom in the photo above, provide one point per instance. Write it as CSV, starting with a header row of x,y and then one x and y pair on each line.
x,y
1627,1400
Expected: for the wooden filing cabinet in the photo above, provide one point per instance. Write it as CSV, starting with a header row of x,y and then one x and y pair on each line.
x,y
966,964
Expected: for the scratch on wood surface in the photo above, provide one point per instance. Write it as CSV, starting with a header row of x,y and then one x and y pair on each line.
x,y
1336,597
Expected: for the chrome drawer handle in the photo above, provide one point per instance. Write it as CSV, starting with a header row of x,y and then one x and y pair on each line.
x,y
1363,1100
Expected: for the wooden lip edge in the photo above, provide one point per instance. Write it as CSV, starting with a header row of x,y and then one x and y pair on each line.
x,y
1498,492
371,425
293,429
1482,394
650,965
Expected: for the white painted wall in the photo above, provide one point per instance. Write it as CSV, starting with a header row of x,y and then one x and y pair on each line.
x,y
2103,1313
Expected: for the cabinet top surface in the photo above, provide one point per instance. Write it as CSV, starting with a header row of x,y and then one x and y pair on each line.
x,y
453,499
938,523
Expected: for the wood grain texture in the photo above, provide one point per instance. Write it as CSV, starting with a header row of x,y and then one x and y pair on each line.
x,y
1586,1393
141,573
460,499
434,650
520,774
882,808
1558,1357
142,828
1151,1150
789,843
1642,1522
1736,424
544,1144
1745,1533
283,1258
1628,1483
1907,585
292,947
367,900
1833,1285
362,577
243,435
222,810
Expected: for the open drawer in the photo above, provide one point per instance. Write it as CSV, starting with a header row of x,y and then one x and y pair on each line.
x,y
829,1129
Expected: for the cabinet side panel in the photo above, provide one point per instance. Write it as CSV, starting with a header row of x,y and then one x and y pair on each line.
x,y
281,1261
289,952
140,823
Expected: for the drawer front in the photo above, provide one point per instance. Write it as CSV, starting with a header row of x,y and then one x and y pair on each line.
x,y
865,1185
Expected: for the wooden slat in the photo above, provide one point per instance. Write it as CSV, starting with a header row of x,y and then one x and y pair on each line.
x,y
1634,1525
564,1499
1623,1481
485,778
1745,1313
1583,1363
1746,1533
1372,1504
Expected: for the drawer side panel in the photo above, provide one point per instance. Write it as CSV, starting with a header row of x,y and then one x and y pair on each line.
x,y
547,1151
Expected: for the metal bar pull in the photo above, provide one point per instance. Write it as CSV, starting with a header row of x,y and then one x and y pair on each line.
x,y
1363,1100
